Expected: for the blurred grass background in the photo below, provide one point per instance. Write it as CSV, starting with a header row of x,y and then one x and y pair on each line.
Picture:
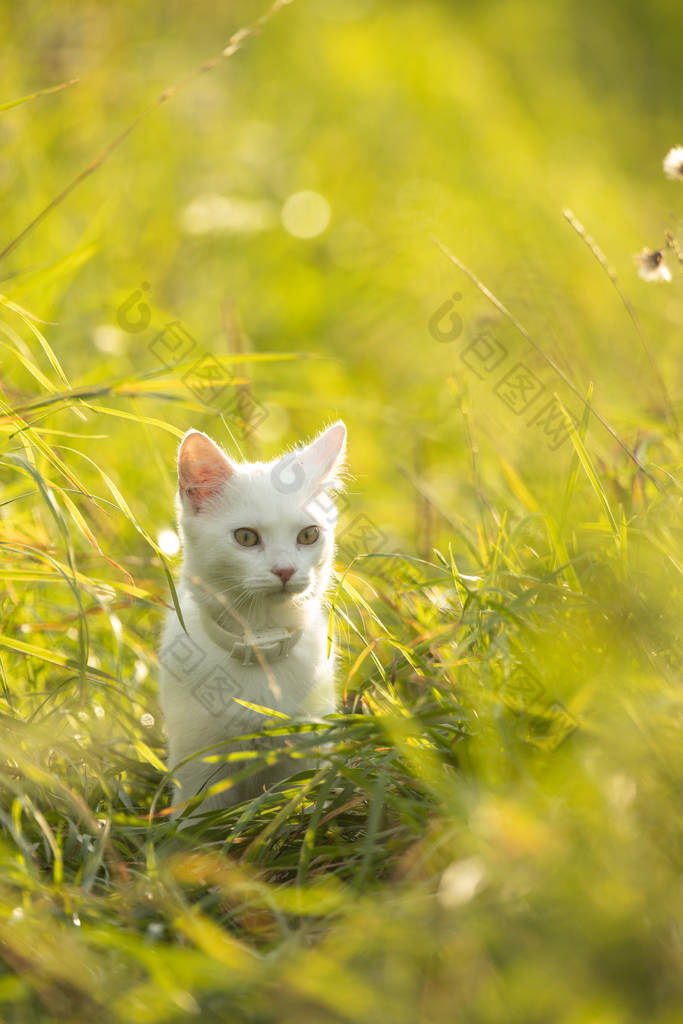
x,y
499,838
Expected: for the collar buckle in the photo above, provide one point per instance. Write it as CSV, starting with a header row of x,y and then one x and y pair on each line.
x,y
271,644
267,644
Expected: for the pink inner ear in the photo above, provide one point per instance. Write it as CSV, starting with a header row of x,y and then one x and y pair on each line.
x,y
202,469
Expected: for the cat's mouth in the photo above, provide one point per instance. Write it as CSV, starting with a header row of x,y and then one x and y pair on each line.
x,y
291,588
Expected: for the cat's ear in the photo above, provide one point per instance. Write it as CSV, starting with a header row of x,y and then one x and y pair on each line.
x,y
316,467
324,459
202,470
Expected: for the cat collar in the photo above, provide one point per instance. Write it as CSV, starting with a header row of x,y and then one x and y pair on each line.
x,y
271,644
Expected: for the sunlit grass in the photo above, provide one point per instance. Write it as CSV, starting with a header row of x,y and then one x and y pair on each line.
x,y
501,791
492,832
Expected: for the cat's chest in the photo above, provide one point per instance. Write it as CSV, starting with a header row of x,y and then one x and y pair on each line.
x,y
286,684
203,679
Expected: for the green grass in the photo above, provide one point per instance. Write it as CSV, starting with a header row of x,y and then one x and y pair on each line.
x,y
495,835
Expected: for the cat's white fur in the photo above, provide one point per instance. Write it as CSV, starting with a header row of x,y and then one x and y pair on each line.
x,y
237,588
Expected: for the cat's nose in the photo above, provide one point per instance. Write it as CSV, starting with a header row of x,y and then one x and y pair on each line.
x,y
284,574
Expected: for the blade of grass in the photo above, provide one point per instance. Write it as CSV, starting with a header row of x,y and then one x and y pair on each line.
x,y
34,95
235,43
548,359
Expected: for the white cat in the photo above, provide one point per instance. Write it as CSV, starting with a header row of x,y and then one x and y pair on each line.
x,y
258,544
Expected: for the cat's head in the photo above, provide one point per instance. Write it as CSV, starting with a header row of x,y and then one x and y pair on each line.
x,y
259,530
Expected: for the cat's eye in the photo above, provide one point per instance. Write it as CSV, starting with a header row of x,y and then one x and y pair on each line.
x,y
246,538
308,535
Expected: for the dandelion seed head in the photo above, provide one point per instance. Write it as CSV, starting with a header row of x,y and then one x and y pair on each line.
x,y
651,265
673,163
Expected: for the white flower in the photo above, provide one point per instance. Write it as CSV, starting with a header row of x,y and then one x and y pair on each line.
x,y
673,163
651,265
